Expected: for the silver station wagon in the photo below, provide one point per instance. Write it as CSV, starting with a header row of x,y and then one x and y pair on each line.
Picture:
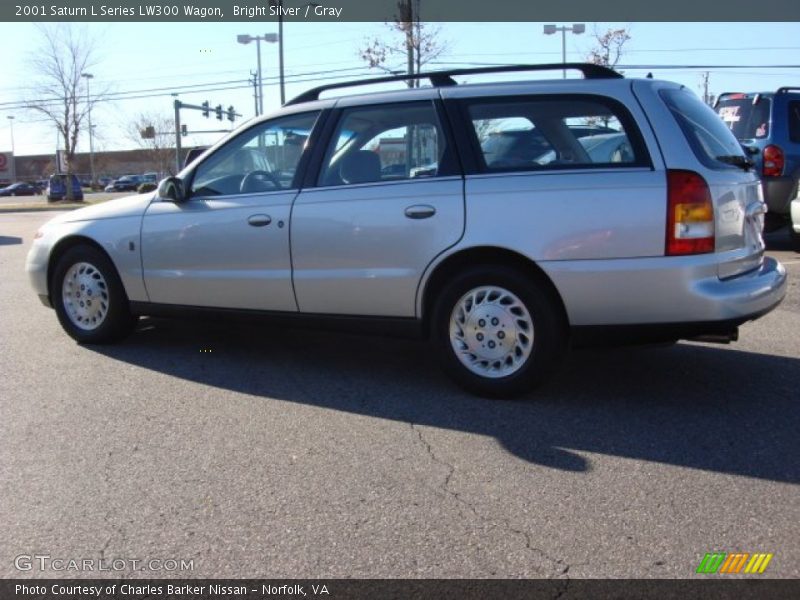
x,y
504,221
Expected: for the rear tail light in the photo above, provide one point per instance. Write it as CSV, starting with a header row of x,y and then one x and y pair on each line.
x,y
773,161
690,214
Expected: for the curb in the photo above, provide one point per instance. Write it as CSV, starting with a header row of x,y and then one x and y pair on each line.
x,y
39,207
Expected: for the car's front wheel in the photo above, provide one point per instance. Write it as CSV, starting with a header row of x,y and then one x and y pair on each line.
x,y
89,298
497,331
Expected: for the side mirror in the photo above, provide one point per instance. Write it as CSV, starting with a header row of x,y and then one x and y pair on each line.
x,y
172,190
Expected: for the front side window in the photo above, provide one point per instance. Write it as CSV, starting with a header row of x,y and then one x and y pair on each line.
x,y
262,159
385,143
546,133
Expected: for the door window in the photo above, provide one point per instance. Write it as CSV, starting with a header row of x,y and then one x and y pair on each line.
x,y
261,159
386,143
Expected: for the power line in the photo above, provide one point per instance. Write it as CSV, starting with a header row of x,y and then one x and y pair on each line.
x,y
216,86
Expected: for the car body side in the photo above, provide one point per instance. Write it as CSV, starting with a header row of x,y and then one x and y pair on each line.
x,y
590,233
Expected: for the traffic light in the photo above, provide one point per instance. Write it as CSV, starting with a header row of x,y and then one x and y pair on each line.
x,y
219,111
184,130
205,109
148,133
231,114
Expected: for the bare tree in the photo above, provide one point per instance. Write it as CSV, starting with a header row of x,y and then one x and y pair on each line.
x,y
57,69
155,133
608,47
417,44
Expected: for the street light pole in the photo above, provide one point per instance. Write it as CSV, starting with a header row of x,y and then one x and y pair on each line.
x,y
246,39
13,154
577,28
280,51
89,76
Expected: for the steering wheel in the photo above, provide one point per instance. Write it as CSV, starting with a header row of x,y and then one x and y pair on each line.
x,y
258,176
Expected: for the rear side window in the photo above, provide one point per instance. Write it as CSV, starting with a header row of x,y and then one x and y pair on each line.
x,y
746,117
554,132
794,121
712,142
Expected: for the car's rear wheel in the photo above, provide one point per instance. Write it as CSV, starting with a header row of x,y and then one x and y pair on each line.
x,y
498,332
89,298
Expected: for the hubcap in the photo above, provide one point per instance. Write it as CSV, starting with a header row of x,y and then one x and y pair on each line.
x,y
491,331
85,296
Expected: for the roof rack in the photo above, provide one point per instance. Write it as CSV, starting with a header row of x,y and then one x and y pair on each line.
x,y
787,89
445,78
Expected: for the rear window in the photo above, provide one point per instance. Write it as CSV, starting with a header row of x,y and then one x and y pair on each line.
x,y
710,139
745,119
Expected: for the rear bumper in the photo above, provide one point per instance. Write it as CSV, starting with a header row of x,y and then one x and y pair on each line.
x,y
756,295
671,291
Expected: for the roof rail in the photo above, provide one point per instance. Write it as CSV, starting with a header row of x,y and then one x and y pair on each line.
x,y
787,89
445,78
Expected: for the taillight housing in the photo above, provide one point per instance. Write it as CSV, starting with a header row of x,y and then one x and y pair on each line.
x,y
773,161
690,214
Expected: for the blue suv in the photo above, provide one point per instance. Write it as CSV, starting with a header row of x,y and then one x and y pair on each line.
x,y
768,125
57,188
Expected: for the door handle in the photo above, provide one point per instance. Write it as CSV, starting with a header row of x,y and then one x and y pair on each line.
x,y
259,220
420,211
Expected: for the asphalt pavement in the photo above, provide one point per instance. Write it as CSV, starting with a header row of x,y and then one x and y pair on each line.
x,y
255,451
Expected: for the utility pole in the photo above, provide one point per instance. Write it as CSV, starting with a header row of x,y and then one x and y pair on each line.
x,y
706,97
13,154
254,75
177,105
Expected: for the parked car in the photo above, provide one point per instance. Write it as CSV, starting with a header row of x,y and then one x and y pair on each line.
x,y
601,148
768,126
57,188
502,144
502,266
794,229
193,153
126,183
20,189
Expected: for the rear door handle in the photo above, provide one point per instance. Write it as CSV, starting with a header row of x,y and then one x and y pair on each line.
x,y
420,211
259,220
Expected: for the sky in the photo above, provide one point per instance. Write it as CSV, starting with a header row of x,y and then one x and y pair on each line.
x,y
158,59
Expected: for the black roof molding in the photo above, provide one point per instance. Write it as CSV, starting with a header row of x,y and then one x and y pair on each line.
x,y
445,78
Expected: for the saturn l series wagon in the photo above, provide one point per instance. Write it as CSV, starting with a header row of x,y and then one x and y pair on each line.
x,y
504,221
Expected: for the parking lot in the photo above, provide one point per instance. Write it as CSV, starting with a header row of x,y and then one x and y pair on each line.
x,y
263,452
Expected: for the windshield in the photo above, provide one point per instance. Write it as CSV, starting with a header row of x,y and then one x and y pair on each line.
x,y
745,119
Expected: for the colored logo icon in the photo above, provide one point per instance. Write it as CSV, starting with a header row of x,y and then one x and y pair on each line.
x,y
736,562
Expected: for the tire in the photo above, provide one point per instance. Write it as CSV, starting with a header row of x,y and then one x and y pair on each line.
x,y
97,312
511,348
